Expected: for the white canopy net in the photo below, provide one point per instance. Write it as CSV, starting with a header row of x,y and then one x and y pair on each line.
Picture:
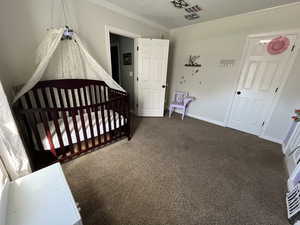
x,y
65,59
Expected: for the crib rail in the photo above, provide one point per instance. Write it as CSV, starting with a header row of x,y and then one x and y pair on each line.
x,y
97,114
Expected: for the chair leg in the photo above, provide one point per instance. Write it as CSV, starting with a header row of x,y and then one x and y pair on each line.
x,y
183,114
170,112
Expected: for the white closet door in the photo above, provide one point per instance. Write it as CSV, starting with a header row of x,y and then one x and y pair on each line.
x,y
261,77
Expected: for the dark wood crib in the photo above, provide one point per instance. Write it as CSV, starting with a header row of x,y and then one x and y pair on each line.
x,y
62,119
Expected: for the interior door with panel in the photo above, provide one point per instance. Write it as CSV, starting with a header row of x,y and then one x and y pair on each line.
x,y
152,59
261,77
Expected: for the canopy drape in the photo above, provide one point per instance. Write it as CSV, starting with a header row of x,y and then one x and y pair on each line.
x,y
62,59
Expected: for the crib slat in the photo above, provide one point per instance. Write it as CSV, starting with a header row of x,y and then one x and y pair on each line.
x,y
124,113
67,98
89,116
113,104
31,118
128,117
105,94
96,94
96,110
73,113
100,93
91,126
85,96
83,128
59,135
91,96
61,101
29,105
67,127
45,97
36,98
119,117
38,104
79,97
53,99
81,117
48,133
108,104
103,123
28,101
73,98
46,101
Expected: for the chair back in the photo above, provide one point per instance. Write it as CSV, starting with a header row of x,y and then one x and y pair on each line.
x,y
179,97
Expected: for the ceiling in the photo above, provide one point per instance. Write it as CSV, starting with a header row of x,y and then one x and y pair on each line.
x,y
162,12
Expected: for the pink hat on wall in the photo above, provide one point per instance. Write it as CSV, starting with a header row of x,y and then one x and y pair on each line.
x,y
278,45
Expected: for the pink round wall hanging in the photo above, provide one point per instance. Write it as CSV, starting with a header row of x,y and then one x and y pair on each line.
x,y
278,45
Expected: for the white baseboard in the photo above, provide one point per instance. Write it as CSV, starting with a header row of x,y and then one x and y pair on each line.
x,y
276,140
220,123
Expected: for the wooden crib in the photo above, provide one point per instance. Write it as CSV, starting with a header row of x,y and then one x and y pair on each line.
x,y
61,119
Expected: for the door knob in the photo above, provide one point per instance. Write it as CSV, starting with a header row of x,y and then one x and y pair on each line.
x,y
238,92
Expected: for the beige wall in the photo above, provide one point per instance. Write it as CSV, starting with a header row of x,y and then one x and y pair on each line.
x,y
214,86
23,24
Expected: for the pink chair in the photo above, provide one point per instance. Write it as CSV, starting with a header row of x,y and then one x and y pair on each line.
x,y
181,101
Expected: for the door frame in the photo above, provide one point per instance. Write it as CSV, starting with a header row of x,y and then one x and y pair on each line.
x,y
119,60
286,74
114,30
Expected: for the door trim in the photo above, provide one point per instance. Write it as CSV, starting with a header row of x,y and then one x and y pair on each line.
x,y
286,74
119,60
114,30
118,31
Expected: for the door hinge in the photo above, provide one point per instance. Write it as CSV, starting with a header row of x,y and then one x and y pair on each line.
x,y
263,123
137,78
137,105
293,48
137,48
276,90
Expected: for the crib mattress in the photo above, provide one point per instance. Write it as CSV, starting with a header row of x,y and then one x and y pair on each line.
x,y
54,135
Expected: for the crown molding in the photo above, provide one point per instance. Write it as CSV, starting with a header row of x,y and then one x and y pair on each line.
x,y
124,12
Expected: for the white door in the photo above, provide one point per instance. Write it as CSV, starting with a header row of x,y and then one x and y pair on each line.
x,y
152,57
261,77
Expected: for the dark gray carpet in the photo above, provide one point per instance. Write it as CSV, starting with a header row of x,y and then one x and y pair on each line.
x,y
181,172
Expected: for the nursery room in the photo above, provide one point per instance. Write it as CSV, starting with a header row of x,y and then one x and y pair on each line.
x,y
149,112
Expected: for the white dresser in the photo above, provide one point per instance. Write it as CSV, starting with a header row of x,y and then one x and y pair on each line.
x,y
41,198
291,148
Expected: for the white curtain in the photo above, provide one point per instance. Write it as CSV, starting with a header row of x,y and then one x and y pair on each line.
x,y
58,59
12,151
3,192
